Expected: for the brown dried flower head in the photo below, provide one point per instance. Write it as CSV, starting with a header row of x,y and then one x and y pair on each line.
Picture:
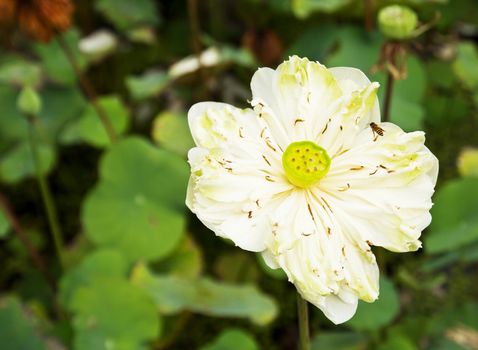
x,y
41,19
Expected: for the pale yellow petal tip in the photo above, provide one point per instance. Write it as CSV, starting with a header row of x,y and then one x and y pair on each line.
x,y
299,72
296,64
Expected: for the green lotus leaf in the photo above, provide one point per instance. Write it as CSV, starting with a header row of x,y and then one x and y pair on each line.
x,y
455,219
373,316
18,327
148,85
18,164
18,71
55,62
185,261
90,129
125,14
113,314
465,65
232,339
338,341
171,131
100,265
138,205
304,8
203,295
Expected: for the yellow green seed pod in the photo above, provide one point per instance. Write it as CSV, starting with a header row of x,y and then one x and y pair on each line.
x,y
397,22
305,163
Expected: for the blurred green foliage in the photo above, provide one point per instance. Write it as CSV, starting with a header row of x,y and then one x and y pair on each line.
x,y
143,273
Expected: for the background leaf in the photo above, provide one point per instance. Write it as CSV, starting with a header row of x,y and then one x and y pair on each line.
x,y
232,339
17,328
17,164
465,64
338,341
304,8
113,313
373,316
55,62
4,225
126,15
90,129
457,225
18,71
150,84
100,265
173,294
185,261
171,131
138,207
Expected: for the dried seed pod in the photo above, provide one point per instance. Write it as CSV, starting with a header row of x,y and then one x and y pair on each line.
x,y
398,22
40,19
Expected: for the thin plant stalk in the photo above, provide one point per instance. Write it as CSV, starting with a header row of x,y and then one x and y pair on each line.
x,y
194,23
193,14
87,88
303,315
368,12
25,240
388,97
46,195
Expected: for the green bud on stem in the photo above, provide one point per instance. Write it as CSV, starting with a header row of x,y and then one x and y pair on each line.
x,y
29,102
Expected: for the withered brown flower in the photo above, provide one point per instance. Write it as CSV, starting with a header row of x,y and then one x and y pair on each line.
x,y
40,19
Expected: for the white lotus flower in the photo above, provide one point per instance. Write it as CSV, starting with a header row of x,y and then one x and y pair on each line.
x,y
312,179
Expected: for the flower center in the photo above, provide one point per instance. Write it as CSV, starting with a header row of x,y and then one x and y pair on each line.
x,y
305,163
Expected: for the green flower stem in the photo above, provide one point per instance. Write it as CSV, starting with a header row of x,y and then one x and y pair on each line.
x,y
302,311
87,88
25,240
46,195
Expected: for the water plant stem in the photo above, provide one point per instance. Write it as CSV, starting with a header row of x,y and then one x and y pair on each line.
x,y
46,195
368,12
25,240
388,97
195,30
87,88
193,13
303,315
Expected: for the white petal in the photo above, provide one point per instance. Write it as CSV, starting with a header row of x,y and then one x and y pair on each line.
x,y
337,310
267,105
343,74
383,186
303,100
270,260
320,257
236,173
203,130
296,98
351,79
